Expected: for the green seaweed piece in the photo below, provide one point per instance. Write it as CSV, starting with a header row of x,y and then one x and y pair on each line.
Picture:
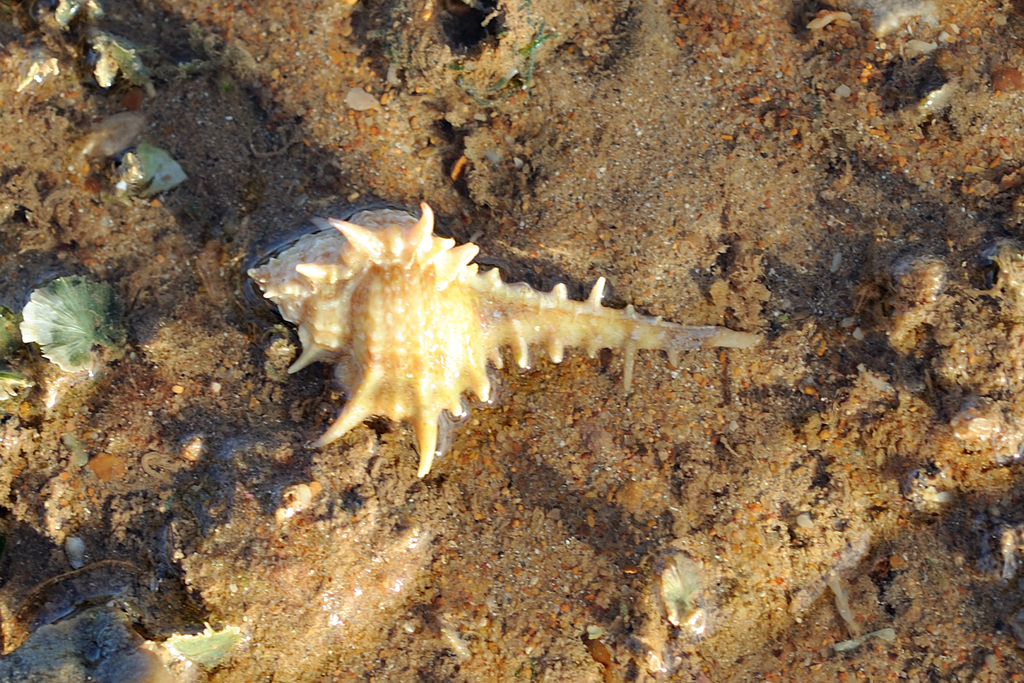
x,y
537,41
209,648
69,317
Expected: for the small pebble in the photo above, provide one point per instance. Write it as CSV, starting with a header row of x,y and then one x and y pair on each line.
x,y
455,643
978,420
74,547
113,135
918,279
803,520
192,448
358,99
1006,79
1017,628
916,48
826,17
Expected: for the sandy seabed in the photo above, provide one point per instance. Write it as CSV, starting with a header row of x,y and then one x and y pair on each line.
x,y
849,191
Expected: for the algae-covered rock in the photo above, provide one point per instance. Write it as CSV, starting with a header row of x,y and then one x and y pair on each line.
x,y
98,646
116,55
12,381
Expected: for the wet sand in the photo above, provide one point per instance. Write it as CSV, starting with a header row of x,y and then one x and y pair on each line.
x,y
850,192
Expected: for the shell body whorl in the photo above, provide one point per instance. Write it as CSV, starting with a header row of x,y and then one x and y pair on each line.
x,y
412,325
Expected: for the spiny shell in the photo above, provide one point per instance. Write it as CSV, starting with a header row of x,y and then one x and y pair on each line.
x,y
411,325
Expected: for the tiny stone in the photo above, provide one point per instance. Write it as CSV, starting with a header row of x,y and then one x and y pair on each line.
x,y
916,48
1017,627
192,449
886,634
74,547
358,99
837,259
803,520
844,91
1006,79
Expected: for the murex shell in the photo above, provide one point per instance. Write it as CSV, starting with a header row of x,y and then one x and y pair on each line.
x,y
411,325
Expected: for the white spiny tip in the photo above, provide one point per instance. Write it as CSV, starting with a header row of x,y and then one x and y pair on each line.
x,y
420,234
629,356
596,294
363,239
450,264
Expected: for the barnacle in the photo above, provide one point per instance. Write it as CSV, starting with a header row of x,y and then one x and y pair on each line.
x,y
411,325
150,170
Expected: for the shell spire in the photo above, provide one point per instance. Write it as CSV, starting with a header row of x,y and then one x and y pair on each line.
x,y
412,325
